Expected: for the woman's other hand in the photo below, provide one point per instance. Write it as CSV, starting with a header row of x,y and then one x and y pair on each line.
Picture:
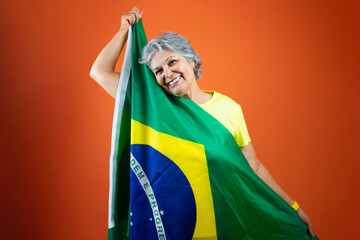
x,y
129,19
306,220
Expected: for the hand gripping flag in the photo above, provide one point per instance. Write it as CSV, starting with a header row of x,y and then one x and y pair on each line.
x,y
176,173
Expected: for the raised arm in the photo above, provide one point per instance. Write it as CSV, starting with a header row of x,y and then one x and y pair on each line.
x,y
103,69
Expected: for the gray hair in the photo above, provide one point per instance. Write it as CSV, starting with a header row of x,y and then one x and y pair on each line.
x,y
173,42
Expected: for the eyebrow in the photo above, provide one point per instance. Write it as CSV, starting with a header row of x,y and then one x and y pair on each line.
x,y
165,61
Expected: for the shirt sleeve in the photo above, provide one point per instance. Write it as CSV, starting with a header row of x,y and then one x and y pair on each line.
x,y
230,114
241,134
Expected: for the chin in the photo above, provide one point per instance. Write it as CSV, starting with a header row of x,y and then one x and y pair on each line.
x,y
178,93
175,92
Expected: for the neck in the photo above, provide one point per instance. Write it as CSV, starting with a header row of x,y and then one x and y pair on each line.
x,y
198,96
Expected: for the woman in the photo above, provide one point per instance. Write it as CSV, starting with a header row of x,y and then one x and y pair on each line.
x,y
176,68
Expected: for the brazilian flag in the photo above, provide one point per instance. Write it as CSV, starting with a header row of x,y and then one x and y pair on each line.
x,y
176,172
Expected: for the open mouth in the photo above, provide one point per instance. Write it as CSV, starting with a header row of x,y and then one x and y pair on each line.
x,y
174,81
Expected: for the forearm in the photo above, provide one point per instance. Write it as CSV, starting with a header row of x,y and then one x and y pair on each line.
x,y
106,60
265,175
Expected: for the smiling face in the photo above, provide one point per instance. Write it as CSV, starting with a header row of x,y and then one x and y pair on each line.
x,y
173,73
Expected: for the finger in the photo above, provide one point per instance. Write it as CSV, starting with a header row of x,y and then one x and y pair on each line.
x,y
311,229
129,19
136,14
137,11
135,8
131,16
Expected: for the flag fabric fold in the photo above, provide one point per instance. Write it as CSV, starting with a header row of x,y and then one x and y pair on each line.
x,y
177,173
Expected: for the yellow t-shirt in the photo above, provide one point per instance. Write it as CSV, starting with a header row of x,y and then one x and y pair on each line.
x,y
229,113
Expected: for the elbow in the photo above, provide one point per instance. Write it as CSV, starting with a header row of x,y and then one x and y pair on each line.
x,y
255,164
93,73
256,168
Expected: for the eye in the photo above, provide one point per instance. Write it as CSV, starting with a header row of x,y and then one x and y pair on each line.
x,y
158,71
172,62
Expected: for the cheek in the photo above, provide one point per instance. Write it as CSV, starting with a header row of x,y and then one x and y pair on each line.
x,y
159,80
187,70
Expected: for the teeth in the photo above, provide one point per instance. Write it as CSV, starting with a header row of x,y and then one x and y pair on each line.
x,y
174,81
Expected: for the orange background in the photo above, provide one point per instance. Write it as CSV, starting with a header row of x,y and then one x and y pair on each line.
x,y
292,65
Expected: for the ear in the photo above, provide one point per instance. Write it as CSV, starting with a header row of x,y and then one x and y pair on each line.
x,y
192,63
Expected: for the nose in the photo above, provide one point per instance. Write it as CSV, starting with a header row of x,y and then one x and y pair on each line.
x,y
167,72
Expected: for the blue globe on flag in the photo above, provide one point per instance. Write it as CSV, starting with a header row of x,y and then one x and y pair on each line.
x,y
162,201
